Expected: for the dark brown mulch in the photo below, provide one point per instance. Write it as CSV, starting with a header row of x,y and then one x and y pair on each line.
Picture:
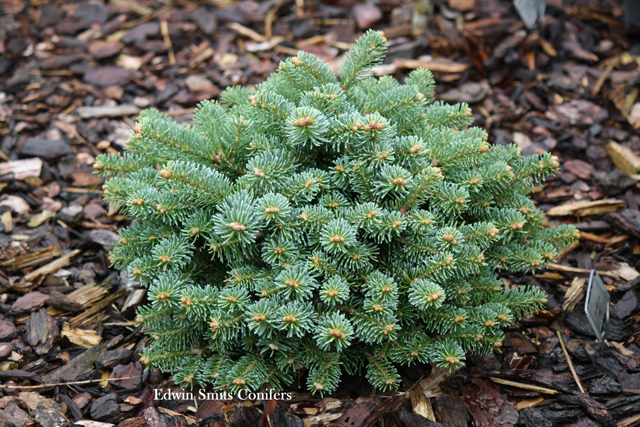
x,y
73,76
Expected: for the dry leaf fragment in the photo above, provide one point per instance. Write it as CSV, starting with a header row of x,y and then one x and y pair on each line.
x,y
529,403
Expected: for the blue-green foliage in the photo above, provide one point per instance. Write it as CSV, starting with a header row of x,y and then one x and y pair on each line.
x,y
328,225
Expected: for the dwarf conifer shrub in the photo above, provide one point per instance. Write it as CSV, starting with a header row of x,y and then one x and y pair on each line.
x,y
328,225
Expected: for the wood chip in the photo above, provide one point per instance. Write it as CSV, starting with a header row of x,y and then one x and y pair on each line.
x,y
40,218
7,221
621,349
89,423
629,421
105,111
320,419
31,259
81,337
421,405
52,267
433,65
524,386
574,294
88,294
624,159
587,208
77,321
21,169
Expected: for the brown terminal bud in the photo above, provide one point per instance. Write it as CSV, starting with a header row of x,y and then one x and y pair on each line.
x,y
452,360
98,166
525,210
272,210
474,181
186,301
257,172
165,173
237,226
160,208
331,293
292,283
493,232
136,271
503,318
489,323
122,240
137,202
459,319
336,239
259,318
434,296
289,318
517,225
338,333
296,61
340,168
163,296
164,258
399,181
416,148
484,148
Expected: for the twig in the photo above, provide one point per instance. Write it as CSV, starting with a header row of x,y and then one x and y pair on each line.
x,y
573,371
524,386
29,387
164,29
149,17
414,384
268,21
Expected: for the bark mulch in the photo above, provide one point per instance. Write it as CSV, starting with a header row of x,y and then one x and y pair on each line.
x,y
73,77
